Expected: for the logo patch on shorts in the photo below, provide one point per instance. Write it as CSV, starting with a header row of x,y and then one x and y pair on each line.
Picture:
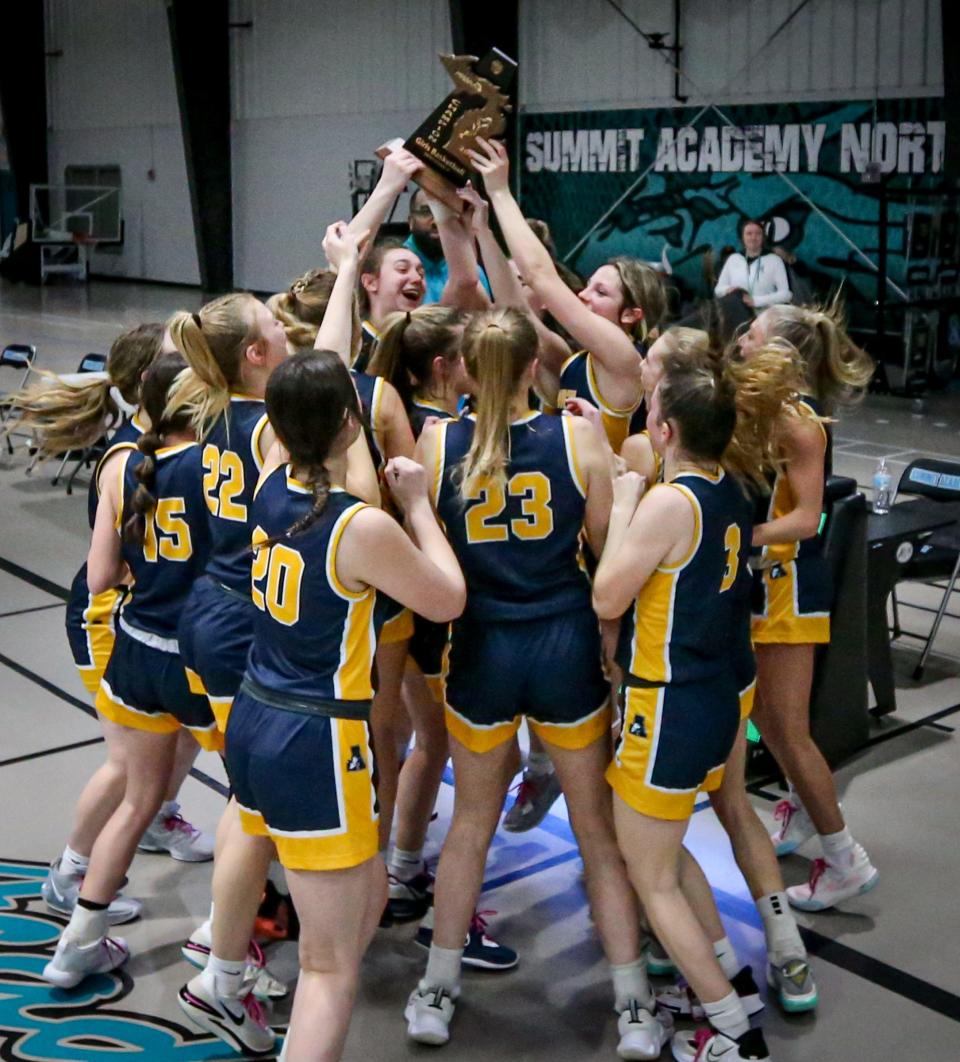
x,y
355,763
638,727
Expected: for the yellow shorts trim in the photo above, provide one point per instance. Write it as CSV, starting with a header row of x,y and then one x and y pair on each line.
x,y
479,738
576,735
220,706
100,639
252,822
782,624
398,629
195,682
209,738
437,684
628,772
111,707
747,697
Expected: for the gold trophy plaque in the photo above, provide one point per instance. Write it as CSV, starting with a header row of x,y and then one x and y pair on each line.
x,y
475,108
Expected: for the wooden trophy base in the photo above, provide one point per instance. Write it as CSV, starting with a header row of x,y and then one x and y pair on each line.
x,y
433,183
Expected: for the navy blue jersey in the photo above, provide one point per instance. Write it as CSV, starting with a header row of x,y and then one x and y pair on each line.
x,y
517,543
124,438
370,390
369,335
232,460
313,638
420,410
176,540
688,618
578,376
780,501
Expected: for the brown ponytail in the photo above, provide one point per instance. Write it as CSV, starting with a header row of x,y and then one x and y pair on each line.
x,y
408,344
302,307
642,289
498,346
161,377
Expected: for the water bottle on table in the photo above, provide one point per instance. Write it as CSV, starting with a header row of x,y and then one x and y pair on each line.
x,y
881,488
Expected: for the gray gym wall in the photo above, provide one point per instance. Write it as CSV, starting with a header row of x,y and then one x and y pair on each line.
x,y
319,83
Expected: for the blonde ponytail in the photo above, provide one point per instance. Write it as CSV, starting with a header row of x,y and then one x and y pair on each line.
x,y
302,307
213,343
74,416
498,346
837,370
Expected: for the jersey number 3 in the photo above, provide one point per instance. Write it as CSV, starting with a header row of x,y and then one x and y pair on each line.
x,y
731,542
276,576
536,517
223,483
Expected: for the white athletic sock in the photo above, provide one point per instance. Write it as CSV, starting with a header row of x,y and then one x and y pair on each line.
x,y
539,763
168,809
86,926
837,847
728,1016
780,929
223,977
727,957
72,862
630,983
405,865
443,969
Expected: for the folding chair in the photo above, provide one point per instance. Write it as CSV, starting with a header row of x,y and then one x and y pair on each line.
x,y
19,357
88,363
939,558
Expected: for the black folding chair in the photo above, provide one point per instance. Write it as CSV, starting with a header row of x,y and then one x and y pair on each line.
x,y
938,559
20,358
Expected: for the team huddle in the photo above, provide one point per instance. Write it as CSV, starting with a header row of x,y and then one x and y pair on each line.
x,y
341,518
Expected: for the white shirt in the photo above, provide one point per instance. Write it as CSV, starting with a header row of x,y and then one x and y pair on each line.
x,y
765,279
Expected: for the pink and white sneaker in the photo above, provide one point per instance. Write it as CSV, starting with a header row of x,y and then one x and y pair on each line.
x,y
796,827
830,884
172,833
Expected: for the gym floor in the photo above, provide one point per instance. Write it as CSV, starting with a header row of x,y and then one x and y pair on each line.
x,y
886,965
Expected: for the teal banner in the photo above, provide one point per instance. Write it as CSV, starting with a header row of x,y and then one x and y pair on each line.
x,y
672,186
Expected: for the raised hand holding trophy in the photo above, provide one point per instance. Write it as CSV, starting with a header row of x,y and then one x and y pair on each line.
x,y
474,109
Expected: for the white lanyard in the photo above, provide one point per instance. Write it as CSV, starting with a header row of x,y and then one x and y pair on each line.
x,y
751,284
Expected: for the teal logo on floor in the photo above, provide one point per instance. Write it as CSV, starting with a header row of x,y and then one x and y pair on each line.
x,y
83,1024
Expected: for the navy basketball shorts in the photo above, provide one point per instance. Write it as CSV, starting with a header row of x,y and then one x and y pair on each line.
x,y
547,669
145,687
215,635
305,780
91,628
791,603
673,744
428,649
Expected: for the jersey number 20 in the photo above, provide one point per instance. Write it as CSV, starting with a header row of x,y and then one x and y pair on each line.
x,y
535,521
276,576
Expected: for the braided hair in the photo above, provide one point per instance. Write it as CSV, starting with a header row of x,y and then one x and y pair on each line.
x,y
157,383
309,399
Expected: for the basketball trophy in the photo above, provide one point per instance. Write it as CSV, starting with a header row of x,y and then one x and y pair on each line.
x,y
474,109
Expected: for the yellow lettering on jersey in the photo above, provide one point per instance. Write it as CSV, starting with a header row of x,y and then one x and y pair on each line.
x,y
492,502
534,490
223,483
731,542
173,543
280,568
536,521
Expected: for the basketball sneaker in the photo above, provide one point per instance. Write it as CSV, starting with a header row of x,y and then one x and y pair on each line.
x,y
709,1045
61,891
408,901
659,963
830,884
429,1012
796,827
196,950
536,795
170,832
793,982
681,1001
642,1034
239,1022
72,962
479,950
